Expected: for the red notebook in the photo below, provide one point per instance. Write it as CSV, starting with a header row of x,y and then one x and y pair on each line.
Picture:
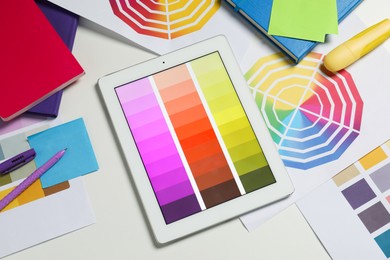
x,y
35,62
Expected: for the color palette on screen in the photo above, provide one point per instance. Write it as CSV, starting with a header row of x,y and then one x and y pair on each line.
x,y
366,187
196,143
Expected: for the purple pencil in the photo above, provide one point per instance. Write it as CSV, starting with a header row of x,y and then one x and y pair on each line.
x,y
30,179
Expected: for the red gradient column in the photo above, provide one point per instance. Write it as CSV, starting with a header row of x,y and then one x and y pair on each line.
x,y
196,135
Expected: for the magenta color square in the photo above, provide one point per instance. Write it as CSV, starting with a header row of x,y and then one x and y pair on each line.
x,y
358,193
174,192
375,217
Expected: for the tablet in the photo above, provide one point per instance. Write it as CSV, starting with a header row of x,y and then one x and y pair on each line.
x,y
194,140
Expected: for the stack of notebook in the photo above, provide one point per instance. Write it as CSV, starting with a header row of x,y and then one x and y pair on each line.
x,y
36,63
258,13
65,23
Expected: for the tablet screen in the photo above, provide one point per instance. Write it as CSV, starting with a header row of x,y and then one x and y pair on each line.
x,y
193,136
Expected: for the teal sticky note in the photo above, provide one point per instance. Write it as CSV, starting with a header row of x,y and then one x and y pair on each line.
x,y
79,158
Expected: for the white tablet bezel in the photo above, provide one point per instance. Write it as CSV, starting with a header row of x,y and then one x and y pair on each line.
x,y
227,210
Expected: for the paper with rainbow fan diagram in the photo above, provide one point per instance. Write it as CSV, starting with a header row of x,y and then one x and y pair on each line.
x,y
321,122
165,19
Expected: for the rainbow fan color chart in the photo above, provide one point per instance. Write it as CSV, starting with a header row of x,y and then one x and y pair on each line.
x,y
167,19
312,114
207,152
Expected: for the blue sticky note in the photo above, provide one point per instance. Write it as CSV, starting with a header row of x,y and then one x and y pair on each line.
x,y
79,158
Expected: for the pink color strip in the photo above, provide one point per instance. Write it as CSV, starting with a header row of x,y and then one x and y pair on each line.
x,y
154,142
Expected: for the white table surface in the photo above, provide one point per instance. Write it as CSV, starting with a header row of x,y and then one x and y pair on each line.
x,y
121,231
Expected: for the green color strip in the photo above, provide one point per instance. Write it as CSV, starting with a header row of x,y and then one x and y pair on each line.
x,y
5,179
257,179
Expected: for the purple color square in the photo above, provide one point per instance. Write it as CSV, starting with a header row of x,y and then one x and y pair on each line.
x,y
180,209
375,217
358,193
174,193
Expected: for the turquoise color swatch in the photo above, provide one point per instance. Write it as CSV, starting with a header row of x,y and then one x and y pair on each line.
x,y
383,242
79,158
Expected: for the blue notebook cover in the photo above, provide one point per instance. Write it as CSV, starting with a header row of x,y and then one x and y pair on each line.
x,y
258,12
65,23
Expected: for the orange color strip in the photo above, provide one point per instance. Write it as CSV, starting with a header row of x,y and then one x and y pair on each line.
x,y
193,129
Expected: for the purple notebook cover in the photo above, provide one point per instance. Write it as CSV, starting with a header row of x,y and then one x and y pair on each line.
x,y
65,23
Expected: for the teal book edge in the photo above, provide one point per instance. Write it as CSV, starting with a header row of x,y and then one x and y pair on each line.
x,y
258,13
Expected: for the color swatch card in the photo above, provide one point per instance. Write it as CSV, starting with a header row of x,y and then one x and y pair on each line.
x,y
350,214
13,145
38,214
320,121
79,159
304,19
194,138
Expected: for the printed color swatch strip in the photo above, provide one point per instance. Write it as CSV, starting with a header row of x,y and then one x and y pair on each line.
x,y
165,18
194,138
365,187
12,146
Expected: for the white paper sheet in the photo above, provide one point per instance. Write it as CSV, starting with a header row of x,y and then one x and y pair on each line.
x,y
224,21
44,219
37,215
341,228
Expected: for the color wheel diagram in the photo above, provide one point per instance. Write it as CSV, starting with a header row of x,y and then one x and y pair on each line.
x,y
167,19
313,115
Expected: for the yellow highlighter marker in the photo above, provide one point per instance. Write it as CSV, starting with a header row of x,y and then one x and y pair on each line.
x,y
358,46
